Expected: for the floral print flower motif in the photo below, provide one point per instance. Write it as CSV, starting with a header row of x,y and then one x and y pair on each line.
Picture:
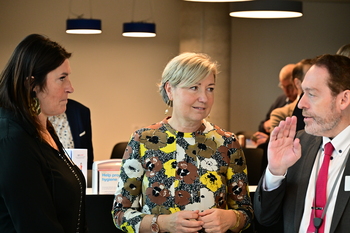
x,y
238,162
133,186
220,201
160,210
238,190
209,164
133,168
171,143
153,139
152,166
146,209
174,209
134,213
157,193
170,168
224,154
204,147
127,228
182,197
211,180
127,152
121,202
136,136
222,132
186,172
205,200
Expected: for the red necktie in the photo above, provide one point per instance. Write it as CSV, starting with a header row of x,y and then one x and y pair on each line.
x,y
321,192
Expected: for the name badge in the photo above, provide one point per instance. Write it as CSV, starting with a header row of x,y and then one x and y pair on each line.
x,y
347,183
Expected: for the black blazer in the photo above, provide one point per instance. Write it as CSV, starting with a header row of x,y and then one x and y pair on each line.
x,y
280,101
79,119
286,203
38,190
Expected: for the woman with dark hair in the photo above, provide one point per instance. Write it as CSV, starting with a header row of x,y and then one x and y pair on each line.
x,y
41,190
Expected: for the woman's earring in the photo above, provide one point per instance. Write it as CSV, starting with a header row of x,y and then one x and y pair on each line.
x,y
35,106
169,104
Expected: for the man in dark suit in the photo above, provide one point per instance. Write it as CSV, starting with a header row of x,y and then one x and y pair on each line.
x,y
292,109
287,190
290,93
74,128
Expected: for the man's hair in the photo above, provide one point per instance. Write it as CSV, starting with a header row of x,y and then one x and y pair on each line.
x,y
298,71
338,67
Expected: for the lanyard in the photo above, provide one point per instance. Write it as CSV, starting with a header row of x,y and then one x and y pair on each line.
x,y
318,221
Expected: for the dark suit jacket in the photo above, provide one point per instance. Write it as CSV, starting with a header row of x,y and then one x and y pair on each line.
x,y
279,102
286,203
79,119
299,114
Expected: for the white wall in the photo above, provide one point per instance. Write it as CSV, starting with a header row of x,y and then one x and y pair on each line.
x,y
114,76
260,48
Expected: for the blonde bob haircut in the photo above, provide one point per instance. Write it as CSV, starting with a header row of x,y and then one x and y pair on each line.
x,y
344,50
185,70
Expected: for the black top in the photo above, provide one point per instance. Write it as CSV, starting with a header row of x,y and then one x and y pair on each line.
x,y
41,191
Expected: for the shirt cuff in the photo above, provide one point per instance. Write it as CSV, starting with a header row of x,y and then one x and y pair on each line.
x,y
272,182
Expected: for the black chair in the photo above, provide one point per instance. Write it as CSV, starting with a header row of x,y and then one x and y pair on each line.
x,y
118,150
254,158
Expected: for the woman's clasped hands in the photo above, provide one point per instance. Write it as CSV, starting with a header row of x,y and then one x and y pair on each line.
x,y
211,220
182,221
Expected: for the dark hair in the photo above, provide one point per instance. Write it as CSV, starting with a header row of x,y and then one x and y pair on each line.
x,y
338,67
298,71
33,58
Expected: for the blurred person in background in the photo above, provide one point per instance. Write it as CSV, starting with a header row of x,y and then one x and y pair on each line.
x,y
344,50
282,113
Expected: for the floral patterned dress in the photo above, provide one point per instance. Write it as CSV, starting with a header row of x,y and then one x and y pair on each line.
x,y
165,171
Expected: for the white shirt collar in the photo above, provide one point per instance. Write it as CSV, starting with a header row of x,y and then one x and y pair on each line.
x,y
341,142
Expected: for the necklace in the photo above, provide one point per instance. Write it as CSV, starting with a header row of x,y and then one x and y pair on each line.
x,y
71,166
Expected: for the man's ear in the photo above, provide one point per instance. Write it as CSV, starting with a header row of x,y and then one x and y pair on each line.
x,y
345,99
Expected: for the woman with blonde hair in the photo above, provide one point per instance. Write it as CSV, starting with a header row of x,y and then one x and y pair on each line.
x,y
188,174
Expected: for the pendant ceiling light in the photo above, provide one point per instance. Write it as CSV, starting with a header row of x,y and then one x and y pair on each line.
x,y
139,28
266,9
83,26
215,0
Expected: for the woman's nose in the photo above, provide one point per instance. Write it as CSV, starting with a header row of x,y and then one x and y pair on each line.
x,y
70,88
202,97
